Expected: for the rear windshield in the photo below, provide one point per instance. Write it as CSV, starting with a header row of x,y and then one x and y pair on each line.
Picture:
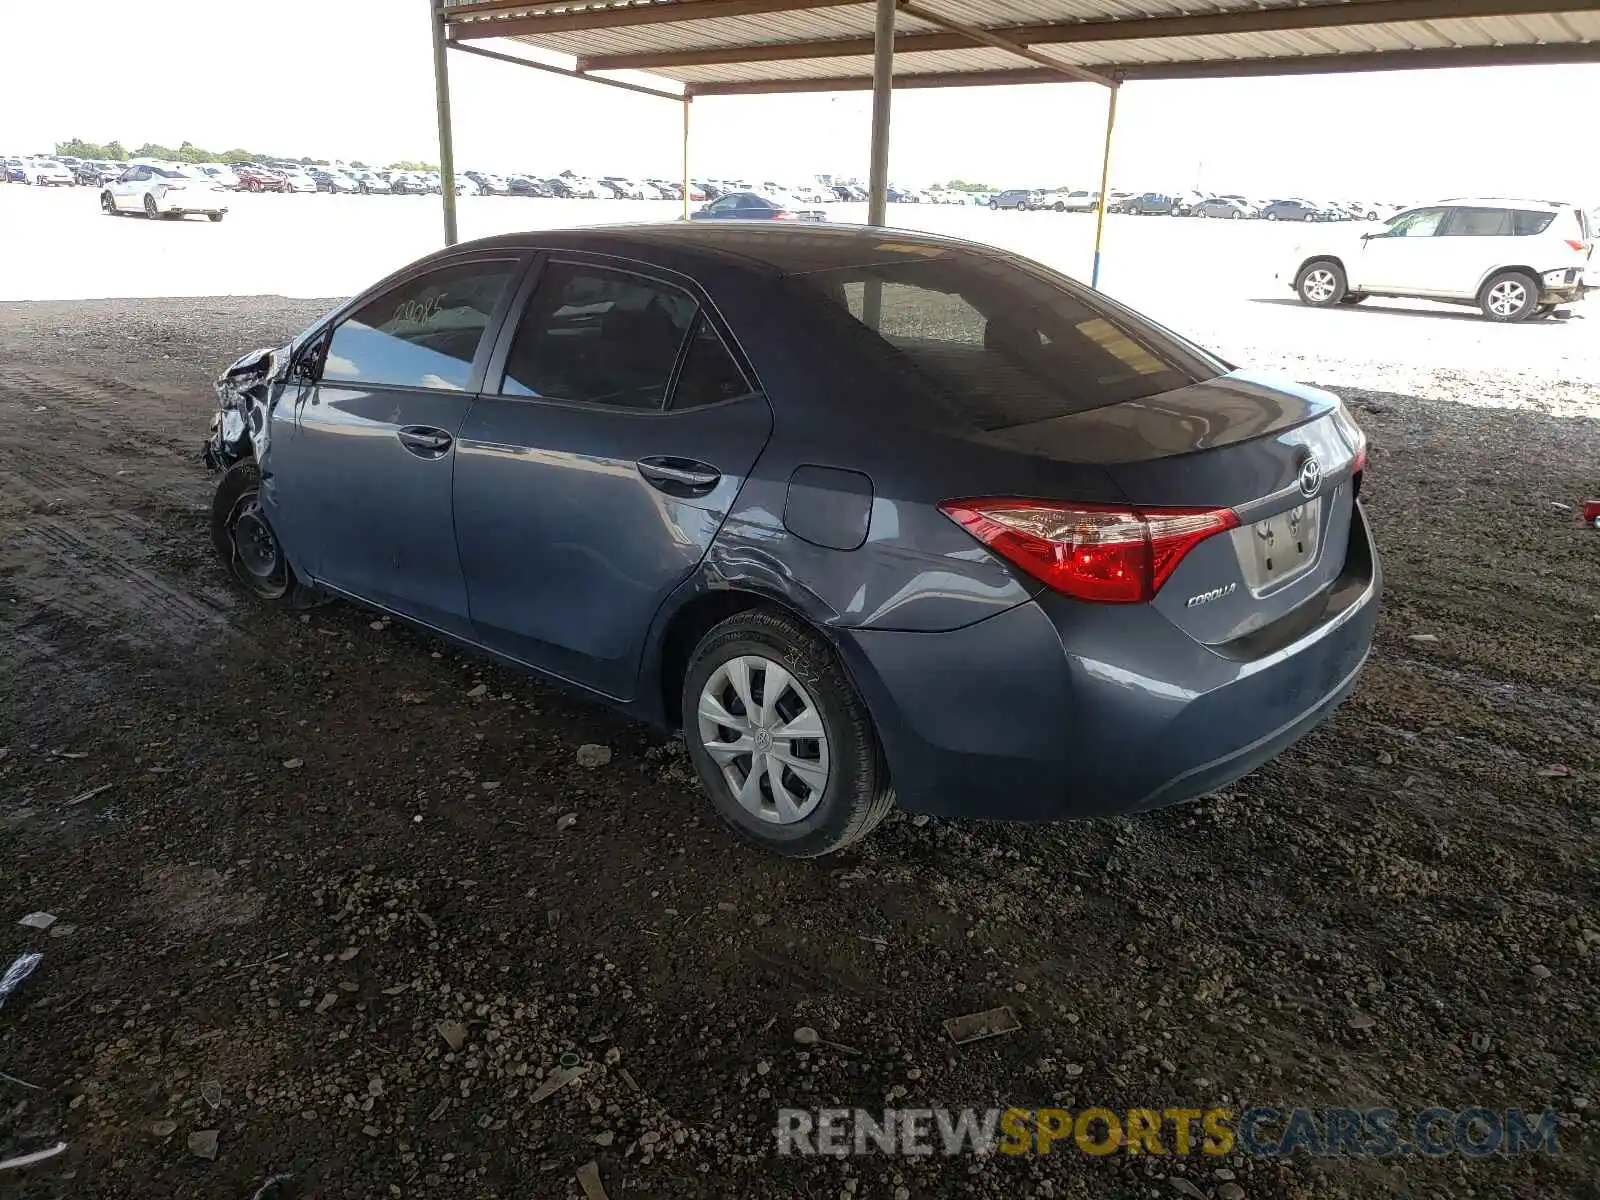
x,y
1000,343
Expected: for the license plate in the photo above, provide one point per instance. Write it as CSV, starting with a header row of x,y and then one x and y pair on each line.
x,y
1285,544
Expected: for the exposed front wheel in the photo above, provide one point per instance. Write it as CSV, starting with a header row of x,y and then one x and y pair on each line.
x,y
216,216
246,542
1509,296
1272,216
107,204
1321,284
780,739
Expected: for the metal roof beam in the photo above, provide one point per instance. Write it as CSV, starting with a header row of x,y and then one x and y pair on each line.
x,y
575,19
986,38
550,69
1304,64
1263,20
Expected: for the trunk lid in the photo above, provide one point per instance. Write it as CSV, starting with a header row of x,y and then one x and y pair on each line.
x,y
1280,455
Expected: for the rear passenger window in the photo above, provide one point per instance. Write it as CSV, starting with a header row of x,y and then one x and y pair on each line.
x,y
709,374
424,333
1478,222
598,336
1526,223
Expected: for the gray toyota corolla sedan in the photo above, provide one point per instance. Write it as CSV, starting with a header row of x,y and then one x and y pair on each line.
x,y
873,517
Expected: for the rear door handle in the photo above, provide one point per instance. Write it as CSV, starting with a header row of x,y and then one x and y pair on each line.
x,y
424,441
678,476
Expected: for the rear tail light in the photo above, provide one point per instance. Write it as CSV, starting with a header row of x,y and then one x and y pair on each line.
x,y
783,214
1577,245
1111,554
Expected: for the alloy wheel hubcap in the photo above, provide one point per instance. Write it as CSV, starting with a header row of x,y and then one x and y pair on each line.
x,y
1318,286
1507,298
762,729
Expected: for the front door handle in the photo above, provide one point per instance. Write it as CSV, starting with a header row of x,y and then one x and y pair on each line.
x,y
678,476
424,441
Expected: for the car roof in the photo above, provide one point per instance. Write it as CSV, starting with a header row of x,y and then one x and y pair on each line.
x,y
1504,202
787,249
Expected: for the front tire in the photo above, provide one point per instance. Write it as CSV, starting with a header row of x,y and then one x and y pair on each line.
x,y
1321,284
247,544
107,204
216,216
1272,216
1509,297
780,739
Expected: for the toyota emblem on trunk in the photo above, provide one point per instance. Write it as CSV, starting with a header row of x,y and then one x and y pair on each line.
x,y
1310,477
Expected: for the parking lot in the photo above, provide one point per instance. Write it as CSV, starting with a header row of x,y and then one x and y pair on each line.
x,y
317,889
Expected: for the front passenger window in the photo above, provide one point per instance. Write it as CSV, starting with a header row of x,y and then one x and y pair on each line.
x,y
424,333
1424,222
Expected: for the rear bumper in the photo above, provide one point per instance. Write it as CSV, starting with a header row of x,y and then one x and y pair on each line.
x,y
1021,716
180,204
1563,285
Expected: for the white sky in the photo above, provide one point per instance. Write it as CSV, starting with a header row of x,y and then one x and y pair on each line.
x,y
352,79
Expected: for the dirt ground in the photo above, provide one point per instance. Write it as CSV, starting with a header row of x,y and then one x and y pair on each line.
x,y
282,849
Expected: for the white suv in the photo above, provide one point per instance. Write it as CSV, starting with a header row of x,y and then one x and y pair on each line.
x,y
1514,259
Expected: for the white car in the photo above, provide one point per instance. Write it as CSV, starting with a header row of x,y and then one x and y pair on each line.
x,y
222,175
1513,259
162,192
297,181
47,172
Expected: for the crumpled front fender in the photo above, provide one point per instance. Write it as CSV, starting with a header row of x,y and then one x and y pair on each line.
x,y
246,392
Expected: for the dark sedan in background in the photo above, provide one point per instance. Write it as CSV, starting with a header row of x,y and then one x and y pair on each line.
x,y
1224,207
1292,210
751,206
870,516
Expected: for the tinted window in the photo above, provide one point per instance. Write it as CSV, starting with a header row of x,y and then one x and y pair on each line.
x,y
1001,343
1421,222
1478,222
1525,223
709,373
424,333
598,337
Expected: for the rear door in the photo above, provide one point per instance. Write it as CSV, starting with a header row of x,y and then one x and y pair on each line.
x,y
1406,256
359,483
1472,243
615,429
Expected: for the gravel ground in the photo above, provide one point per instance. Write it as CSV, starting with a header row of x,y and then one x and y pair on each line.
x,y
317,893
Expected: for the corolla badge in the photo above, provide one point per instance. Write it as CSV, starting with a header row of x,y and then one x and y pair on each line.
x,y
1310,477
1208,597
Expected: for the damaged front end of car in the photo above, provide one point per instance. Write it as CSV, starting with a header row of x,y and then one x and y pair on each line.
x,y
246,392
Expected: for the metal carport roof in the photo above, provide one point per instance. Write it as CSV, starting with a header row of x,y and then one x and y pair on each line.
x,y
747,47
720,47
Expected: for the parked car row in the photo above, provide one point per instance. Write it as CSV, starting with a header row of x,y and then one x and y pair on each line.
x,y
1232,206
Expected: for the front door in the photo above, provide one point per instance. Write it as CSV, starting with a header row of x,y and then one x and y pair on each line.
x,y
359,484
1405,256
127,193
598,465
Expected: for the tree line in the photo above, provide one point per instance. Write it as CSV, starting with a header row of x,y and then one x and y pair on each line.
x,y
188,152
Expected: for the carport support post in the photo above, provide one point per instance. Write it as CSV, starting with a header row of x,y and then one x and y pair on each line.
x,y
686,100
441,92
882,91
1105,183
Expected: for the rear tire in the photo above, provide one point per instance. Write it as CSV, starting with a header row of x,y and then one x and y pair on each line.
x,y
794,681
1321,284
150,209
1509,297
246,543
216,216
